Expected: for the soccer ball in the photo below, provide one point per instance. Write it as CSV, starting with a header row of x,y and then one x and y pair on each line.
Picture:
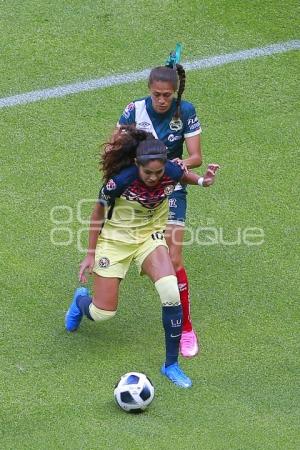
x,y
134,392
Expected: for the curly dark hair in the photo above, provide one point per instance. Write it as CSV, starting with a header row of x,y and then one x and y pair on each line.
x,y
121,150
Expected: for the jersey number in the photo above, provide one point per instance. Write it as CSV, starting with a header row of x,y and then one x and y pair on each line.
x,y
157,235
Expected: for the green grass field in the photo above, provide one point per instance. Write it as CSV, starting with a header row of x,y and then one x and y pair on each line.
x,y
56,389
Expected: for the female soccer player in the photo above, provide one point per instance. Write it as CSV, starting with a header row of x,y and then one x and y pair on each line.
x,y
137,181
174,122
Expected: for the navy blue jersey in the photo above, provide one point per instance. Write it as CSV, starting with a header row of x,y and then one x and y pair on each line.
x,y
163,126
130,187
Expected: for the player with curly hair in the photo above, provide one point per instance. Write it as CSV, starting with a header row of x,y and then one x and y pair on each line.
x,y
128,224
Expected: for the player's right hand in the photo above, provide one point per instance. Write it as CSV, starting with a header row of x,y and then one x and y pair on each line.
x,y
181,164
86,265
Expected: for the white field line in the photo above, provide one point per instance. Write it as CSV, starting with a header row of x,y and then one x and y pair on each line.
x,y
101,83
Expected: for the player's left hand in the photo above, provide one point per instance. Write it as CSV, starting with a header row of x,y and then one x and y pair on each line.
x,y
209,176
181,164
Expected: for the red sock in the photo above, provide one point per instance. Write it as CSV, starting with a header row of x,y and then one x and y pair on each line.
x,y
183,285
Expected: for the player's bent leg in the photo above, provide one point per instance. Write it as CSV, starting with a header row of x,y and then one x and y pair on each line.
x,y
102,307
105,301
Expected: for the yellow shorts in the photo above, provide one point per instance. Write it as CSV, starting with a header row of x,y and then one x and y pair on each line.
x,y
113,258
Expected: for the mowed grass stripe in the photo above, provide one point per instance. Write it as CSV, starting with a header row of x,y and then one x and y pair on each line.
x,y
104,82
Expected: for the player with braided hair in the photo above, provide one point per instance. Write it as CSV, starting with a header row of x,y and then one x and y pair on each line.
x,y
174,121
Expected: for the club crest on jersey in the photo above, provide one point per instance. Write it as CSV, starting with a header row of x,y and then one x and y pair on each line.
x,y
169,189
176,125
104,262
110,185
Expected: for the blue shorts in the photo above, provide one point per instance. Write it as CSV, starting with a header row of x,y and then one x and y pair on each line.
x,y
177,207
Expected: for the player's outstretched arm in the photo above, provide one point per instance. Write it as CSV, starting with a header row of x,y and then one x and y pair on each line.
x,y
206,180
96,222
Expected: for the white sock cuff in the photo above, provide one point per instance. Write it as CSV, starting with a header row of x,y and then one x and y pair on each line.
x,y
98,314
168,291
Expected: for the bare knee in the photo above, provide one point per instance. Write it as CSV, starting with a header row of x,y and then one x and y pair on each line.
x,y
174,237
176,259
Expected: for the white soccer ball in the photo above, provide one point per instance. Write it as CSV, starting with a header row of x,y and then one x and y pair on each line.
x,y
134,392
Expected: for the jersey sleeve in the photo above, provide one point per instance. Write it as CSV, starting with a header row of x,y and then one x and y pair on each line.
x,y
128,116
191,125
116,186
174,171
109,192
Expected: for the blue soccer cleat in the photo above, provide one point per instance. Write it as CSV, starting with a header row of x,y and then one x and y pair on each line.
x,y
74,315
176,375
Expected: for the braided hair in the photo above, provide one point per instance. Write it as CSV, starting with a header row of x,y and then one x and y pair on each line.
x,y
175,76
181,75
